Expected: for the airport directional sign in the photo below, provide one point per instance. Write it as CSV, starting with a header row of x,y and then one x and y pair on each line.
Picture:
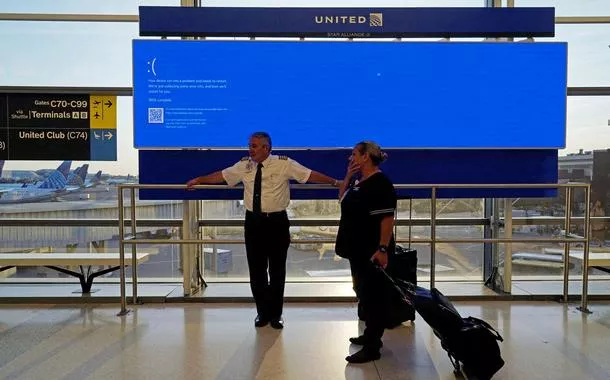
x,y
58,127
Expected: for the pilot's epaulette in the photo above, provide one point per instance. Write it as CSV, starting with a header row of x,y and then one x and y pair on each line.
x,y
245,158
282,157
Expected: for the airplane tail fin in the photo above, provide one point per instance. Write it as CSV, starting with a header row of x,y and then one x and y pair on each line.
x,y
57,179
71,176
83,172
64,168
77,177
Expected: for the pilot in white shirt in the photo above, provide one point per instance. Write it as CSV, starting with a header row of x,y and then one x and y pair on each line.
x,y
277,171
266,228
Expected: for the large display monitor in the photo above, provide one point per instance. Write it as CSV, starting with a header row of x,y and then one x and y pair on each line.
x,y
332,94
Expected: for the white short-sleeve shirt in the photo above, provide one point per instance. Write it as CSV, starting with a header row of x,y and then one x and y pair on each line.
x,y
277,172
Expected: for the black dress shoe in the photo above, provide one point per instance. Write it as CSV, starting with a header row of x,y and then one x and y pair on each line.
x,y
364,356
277,324
260,321
360,340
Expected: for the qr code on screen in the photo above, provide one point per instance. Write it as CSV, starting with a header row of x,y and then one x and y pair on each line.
x,y
155,115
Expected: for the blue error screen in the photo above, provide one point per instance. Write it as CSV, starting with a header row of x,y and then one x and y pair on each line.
x,y
437,95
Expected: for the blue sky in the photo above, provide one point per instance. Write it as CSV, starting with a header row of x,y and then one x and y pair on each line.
x,y
99,54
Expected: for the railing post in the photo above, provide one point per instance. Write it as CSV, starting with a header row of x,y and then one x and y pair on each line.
x,y
585,257
134,257
190,227
490,257
432,236
566,245
124,310
508,247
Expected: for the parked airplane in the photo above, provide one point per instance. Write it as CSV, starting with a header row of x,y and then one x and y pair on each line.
x,y
121,180
79,179
53,186
96,180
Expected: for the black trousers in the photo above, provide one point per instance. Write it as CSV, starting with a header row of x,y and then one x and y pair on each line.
x,y
369,286
267,238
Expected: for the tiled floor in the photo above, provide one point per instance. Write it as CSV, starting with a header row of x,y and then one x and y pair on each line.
x,y
543,340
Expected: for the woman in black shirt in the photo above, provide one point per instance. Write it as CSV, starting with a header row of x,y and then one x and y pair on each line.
x,y
365,237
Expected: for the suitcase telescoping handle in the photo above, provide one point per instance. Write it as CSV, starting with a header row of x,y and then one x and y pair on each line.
x,y
405,293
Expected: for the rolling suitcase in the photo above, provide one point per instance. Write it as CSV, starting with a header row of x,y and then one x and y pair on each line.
x,y
402,264
470,343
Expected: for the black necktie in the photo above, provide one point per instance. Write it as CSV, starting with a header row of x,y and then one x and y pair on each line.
x,y
258,179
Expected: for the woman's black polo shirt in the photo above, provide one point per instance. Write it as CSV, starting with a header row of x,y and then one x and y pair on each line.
x,y
362,208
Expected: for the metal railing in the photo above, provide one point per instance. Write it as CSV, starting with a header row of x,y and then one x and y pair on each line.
x,y
128,91
232,222
566,240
